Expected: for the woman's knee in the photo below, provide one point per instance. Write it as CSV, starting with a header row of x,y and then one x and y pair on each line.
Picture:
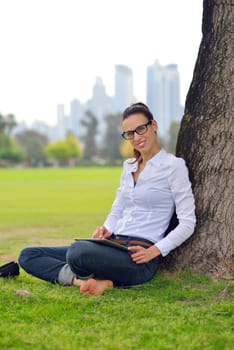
x,y
72,253
76,252
26,255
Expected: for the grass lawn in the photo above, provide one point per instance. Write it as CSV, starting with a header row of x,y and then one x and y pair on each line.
x,y
181,311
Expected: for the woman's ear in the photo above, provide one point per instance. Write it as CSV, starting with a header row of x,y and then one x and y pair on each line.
x,y
155,125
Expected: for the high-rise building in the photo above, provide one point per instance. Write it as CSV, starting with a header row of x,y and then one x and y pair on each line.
x,y
75,117
163,95
100,104
62,121
123,87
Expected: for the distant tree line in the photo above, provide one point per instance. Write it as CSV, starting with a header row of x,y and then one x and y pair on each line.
x,y
9,149
31,148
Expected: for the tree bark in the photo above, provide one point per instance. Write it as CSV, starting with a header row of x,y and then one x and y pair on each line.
x,y
205,141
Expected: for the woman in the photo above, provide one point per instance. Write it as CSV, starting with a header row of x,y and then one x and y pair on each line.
x,y
153,186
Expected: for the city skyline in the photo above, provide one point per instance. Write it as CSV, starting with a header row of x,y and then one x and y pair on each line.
x,y
163,98
53,51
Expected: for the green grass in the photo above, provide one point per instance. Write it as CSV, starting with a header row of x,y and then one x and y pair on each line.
x,y
183,311
42,205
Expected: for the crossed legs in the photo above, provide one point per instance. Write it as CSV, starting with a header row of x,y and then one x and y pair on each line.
x,y
90,266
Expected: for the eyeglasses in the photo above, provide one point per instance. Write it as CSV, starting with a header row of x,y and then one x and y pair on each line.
x,y
140,130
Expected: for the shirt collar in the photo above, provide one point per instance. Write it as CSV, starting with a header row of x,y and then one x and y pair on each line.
x,y
132,166
158,158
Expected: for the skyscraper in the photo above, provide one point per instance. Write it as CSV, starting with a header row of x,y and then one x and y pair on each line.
x,y
163,94
76,114
100,103
123,87
61,121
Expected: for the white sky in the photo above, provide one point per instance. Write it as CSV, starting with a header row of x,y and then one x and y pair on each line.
x,y
52,50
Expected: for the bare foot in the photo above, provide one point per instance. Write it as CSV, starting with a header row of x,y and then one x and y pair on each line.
x,y
95,287
78,282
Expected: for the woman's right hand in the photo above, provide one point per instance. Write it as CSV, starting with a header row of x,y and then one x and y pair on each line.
x,y
101,232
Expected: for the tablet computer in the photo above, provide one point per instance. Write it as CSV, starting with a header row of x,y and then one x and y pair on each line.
x,y
104,241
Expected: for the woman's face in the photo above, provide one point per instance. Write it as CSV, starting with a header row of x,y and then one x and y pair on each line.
x,y
143,143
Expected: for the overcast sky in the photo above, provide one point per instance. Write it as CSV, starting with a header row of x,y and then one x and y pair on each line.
x,y
52,50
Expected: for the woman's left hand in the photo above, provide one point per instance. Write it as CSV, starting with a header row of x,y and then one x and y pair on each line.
x,y
141,255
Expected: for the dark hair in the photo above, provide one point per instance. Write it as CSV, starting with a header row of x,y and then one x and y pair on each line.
x,y
138,107
134,108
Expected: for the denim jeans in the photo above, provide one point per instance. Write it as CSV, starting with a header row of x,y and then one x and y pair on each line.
x,y
87,259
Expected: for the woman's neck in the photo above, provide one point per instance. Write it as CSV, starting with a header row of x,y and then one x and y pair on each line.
x,y
147,156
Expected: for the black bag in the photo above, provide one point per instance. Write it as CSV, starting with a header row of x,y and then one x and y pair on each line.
x,y
9,270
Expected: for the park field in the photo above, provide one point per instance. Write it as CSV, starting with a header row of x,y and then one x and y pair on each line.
x,y
174,311
52,206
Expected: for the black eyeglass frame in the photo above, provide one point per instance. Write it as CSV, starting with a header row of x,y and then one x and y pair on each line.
x,y
131,132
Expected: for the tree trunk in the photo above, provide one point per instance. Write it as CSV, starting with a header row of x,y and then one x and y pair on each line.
x,y
205,141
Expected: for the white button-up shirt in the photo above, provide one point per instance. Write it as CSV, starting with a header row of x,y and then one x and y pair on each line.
x,y
144,209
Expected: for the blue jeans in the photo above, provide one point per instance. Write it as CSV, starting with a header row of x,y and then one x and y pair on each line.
x,y
87,259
